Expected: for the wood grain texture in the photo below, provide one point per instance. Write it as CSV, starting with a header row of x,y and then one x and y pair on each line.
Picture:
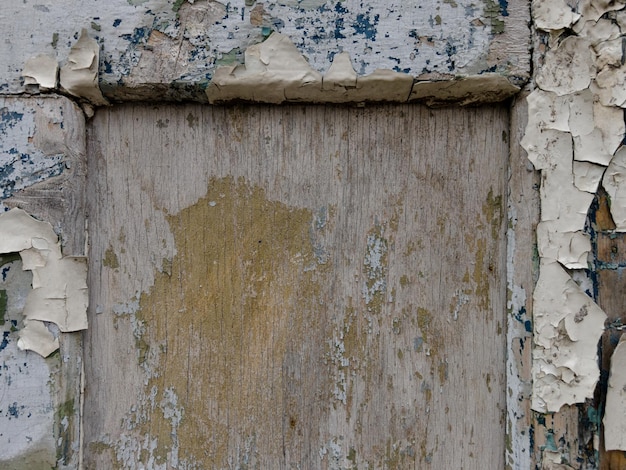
x,y
611,260
297,287
522,267
59,128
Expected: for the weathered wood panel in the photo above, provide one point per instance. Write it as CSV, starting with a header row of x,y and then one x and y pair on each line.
x,y
297,287
522,264
43,171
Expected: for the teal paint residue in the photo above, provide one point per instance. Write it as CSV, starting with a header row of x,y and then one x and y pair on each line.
x,y
365,26
9,119
550,442
234,56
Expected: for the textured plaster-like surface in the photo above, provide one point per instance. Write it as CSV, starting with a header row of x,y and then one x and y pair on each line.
x,y
170,49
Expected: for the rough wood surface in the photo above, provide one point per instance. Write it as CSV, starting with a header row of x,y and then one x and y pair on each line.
x,y
43,163
297,287
611,261
523,216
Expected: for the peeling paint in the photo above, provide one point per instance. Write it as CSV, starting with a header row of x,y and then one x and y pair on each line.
x,y
574,130
567,328
41,71
59,293
79,76
166,49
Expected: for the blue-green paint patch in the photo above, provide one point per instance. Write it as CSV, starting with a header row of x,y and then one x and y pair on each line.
x,y
504,5
139,35
5,340
365,26
9,119
550,442
14,410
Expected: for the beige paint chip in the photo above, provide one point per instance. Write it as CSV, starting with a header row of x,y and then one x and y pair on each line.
x,y
553,14
274,71
41,70
59,294
568,325
568,68
571,249
79,76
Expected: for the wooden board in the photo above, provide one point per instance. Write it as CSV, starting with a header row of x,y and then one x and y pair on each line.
x,y
296,287
43,170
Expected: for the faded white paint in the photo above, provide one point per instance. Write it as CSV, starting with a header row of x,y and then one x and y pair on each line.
x,y
166,49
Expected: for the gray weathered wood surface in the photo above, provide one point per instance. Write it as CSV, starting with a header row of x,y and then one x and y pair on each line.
x,y
40,399
296,287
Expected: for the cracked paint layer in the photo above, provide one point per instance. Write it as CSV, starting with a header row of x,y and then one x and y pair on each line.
x,y
167,49
59,286
574,131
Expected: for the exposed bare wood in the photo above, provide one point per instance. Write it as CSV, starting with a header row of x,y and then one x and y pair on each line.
x,y
523,215
308,287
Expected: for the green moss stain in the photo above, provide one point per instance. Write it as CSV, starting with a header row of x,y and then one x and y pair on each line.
x,y
177,4
234,56
228,325
494,13
64,420
110,259
424,319
493,211
99,447
4,298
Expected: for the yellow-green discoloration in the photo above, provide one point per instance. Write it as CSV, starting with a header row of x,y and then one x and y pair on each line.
x,y
231,332
493,212
65,421
110,259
